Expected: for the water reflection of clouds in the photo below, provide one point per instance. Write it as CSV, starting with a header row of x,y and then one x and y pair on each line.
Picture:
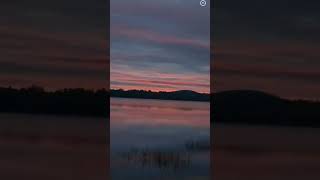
x,y
134,126
160,131
159,113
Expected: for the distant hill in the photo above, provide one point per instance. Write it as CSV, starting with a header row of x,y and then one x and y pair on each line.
x,y
183,95
254,107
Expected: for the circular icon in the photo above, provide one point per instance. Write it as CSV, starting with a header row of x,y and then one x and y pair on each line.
x,y
203,3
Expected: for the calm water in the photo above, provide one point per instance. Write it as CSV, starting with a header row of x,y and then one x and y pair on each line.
x,y
159,139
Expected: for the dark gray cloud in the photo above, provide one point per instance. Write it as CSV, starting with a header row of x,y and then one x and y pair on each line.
x,y
267,45
268,19
55,44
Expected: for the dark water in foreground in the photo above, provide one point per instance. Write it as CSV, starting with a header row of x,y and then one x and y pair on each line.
x,y
156,139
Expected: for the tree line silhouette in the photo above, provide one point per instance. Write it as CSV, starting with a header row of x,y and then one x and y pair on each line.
x,y
259,108
35,100
182,95
78,101
235,107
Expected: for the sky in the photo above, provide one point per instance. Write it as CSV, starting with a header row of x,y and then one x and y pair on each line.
x,y
267,45
54,44
160,45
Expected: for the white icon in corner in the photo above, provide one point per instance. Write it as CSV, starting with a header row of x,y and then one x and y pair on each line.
x,y
203,3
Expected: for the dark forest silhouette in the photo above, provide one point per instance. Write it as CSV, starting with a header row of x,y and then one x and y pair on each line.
x,y
35,100
78,102
235,107
259,108
183,95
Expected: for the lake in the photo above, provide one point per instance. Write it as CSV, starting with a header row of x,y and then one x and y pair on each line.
x,y
159,139
41,147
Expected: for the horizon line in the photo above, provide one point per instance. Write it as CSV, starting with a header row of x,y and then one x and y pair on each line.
x,y
109,89
159,91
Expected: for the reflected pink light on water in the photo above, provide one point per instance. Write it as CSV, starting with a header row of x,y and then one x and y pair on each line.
x,y
160,113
